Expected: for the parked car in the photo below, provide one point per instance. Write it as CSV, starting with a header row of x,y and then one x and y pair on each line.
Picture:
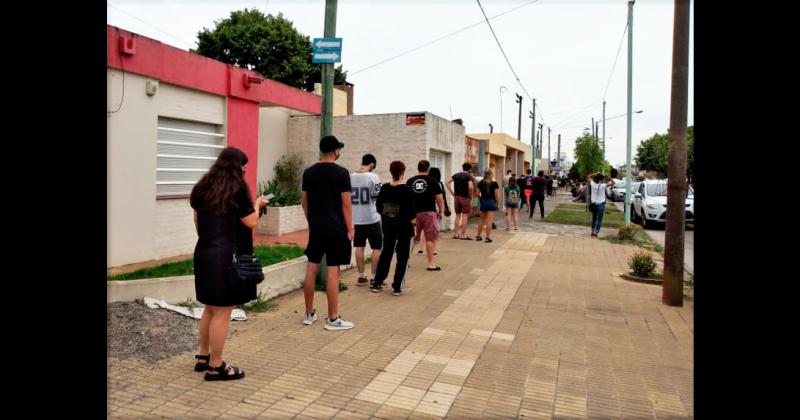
x,y
617,192
650,203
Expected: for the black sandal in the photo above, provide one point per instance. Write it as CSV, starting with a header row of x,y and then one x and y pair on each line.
x,y
478,238
488,240
437,268
201,367
223,374
466,238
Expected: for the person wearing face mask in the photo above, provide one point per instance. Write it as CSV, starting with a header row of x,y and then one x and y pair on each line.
x,y
328,209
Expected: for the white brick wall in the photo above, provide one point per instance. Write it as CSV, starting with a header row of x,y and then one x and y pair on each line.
x,y
175,231
282,220
388,138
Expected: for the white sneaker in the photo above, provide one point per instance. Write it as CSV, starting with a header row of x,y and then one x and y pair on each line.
x,y
309,319
338,324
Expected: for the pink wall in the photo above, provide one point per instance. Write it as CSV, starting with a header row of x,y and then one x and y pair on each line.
x,y
243,134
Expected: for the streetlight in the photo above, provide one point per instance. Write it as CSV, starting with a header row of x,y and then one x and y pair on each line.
x,y
501,107
622,115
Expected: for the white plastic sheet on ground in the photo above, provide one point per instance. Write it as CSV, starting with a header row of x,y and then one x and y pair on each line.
x,y
196,313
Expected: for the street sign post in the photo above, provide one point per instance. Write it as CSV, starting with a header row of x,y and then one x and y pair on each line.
x,y
327,50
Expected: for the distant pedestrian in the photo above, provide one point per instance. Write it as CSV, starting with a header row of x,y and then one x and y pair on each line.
x,y
396,206
489,193
525,193
538,186
512,194
462,188
549,185
436,174
597,200
427,199
365,186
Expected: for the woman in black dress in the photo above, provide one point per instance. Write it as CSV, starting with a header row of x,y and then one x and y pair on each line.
x,y
224,215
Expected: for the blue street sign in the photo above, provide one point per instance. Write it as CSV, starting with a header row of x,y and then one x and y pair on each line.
x,y
327,50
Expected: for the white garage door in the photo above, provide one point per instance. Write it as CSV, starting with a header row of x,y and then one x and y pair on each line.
x,y
186,150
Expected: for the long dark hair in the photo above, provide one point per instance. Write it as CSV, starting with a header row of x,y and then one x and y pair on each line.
x,y
216,190
435,173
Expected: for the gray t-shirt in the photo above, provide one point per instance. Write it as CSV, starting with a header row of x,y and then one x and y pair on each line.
x,y
365,188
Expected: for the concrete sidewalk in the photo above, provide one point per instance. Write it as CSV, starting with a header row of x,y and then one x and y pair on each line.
x,y
532,325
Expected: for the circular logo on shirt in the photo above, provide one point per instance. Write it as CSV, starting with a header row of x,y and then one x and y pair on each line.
x,y
419,186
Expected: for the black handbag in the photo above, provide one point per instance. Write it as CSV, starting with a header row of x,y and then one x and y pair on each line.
x,y
245,270
593,206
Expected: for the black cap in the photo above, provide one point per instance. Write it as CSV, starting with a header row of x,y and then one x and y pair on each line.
x,y
330,143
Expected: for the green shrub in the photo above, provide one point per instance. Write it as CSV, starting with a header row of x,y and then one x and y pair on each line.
x,y
642,264
286,183
628,232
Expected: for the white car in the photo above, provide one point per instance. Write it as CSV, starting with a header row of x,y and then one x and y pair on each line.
x,y
617,192
650,203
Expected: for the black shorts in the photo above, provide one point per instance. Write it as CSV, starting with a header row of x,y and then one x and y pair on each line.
x,y
372,232
335,246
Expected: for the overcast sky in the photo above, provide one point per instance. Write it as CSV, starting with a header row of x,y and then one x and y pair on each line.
x,y
563,52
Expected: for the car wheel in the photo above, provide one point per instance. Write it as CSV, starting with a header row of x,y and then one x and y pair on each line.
x,y
646,223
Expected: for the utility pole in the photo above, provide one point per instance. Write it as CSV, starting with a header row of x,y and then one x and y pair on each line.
x,y
628,175
501,107
491,128
593,133
519,118
558,153
541,129
326,120
549,159
604,137
533,136
327,72
672,294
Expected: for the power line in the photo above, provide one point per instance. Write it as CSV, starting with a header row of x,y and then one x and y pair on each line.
x,y
502,51
624,31
437,40
190,44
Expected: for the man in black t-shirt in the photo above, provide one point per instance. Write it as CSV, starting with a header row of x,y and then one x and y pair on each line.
x,y
462,197
539,185
326,204
522,183
427,195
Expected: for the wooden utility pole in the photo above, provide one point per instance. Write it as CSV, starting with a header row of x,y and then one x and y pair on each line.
x,y
676,169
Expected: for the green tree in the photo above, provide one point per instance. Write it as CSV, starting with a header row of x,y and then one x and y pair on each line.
x,y
573,173
653,154
588,156
267,44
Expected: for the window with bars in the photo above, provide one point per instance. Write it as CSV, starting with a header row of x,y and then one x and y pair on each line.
x,y
186,150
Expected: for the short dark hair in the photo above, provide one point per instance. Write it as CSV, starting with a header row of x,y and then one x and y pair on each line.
x,y
599,177
329,143
466,166
423,166
528,171
541,173
508,171
367,159
397,168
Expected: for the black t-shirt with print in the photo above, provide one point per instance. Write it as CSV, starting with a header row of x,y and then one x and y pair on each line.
x,y
425,190
324,182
